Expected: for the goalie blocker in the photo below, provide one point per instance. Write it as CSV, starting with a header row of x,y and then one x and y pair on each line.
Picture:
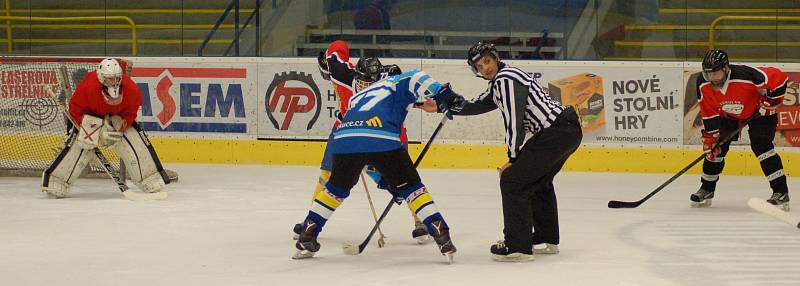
x,y
140,159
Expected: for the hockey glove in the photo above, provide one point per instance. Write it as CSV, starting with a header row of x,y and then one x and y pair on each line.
x,y
769,106
448,101
323,66
391,70
709,139
111,133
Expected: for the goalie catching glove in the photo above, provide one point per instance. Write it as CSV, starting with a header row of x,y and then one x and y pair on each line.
x,y
112,130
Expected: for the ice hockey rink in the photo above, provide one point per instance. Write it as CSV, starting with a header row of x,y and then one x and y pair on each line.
x,y
231,225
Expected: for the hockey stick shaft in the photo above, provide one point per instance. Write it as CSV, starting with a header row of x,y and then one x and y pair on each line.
x,y
392,201
727,139
371,205
110,170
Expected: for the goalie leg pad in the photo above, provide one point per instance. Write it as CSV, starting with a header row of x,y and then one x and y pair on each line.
x,y
67,166
140,159
152,184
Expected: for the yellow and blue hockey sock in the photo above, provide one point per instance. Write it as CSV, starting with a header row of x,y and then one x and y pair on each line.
x,y
324,176
325,203
421,203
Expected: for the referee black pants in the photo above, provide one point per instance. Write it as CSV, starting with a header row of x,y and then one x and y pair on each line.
x,y
530,212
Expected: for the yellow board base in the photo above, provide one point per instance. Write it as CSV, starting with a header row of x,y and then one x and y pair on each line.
x,y
588,159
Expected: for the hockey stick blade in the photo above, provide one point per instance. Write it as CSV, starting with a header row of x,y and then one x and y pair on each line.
x,y
728,138
623,205
766,208
350,249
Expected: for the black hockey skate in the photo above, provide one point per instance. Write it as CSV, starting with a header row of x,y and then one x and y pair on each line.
x,y
307,244
420,233
702,198
780,200
298,227
501,252
442,237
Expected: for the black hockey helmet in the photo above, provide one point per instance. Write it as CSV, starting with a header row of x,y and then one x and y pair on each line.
x,y
477,51
715,60
369,69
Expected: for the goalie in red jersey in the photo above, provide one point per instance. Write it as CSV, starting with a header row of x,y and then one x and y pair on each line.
x,y
728,95
104,106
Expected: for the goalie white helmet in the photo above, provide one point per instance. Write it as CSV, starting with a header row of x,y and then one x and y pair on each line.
x,y
109,73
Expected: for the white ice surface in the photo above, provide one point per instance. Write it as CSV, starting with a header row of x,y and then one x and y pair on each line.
x,y
231,225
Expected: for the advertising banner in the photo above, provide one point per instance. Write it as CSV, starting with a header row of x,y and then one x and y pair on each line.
x,y
294,102
187,97
619,103
622,105
25,104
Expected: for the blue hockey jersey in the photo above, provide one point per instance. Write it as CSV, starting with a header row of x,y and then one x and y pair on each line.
x,y
376,114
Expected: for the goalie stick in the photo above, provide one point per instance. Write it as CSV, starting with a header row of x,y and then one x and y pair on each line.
x,y
766,208
349,248
728,138
107,167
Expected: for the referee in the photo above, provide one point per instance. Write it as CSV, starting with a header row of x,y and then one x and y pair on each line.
x,y
541,134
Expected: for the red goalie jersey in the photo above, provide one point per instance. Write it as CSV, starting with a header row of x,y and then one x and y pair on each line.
x,y
741,95
88,98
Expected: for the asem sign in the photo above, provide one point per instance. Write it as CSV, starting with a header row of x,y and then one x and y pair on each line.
x,y
192,99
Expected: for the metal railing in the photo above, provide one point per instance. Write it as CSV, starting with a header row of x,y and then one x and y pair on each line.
x,y
10,37
712,27
237,31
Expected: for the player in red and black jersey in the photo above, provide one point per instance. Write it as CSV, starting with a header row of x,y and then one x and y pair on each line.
x,y
728,95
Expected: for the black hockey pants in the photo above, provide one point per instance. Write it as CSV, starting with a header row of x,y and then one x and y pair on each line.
x,y
762,133
530,212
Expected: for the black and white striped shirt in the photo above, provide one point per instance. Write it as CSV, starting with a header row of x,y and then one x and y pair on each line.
x,y
527,108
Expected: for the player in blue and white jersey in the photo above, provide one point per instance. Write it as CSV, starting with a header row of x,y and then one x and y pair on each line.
x,y
370,134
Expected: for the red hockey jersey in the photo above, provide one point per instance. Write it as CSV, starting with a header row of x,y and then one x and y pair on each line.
x,y
741,95
88,99
342,72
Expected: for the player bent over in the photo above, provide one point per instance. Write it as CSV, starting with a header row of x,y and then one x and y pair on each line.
x,y
370,134
104,105
728,95
335,66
